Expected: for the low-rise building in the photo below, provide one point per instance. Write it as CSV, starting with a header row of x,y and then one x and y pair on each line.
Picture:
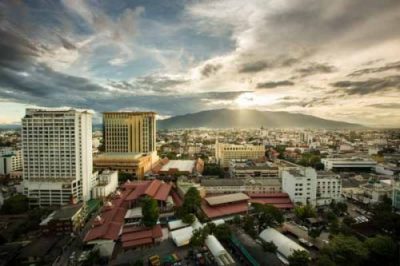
x,y
369,193
136,164
10,161
251,168
224,153
65,220
348,164
250,185
225,206
285,246
107,183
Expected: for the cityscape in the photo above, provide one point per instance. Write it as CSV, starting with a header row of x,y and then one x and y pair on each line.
x,y
221,133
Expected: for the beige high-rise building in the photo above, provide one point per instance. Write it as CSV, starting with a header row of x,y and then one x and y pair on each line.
x,y
129,131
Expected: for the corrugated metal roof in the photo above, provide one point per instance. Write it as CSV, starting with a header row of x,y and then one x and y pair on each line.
x,y
216,200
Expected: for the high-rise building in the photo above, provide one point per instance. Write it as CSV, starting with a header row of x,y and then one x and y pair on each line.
x,y
57,155
129,132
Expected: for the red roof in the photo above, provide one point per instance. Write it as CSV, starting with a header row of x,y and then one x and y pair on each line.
x,y
133,236
163,192
176,198
224,210
279,200
138,190
268,195
108,231
137,242
153,188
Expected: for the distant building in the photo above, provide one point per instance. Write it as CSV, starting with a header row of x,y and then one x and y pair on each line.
x,y
348,164
10,161
129,132
250,185
107,183
250,168
57,155
224,153
182,167
369,193
136,164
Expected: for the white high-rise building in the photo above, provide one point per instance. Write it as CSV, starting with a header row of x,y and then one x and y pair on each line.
x,y
11,161
57,155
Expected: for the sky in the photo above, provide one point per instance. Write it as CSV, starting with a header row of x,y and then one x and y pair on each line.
x,y
337,59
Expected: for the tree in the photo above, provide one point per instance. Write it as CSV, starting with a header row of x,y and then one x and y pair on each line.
x,y
305,211
268,215
123,177
191,200
150,212
222,232
299,258
314,233
345,250
198,237
188,218
15,204
382,250
248,226
268,246
324,260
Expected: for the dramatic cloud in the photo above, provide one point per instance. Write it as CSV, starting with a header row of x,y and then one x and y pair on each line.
x,y
274,84
315,68
387,67
253,67
210,69
185,56
374,85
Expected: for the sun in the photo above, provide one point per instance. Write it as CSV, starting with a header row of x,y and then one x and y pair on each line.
x,y
244,100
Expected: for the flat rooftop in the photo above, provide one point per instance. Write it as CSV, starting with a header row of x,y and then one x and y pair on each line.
x,y
228,198
181,165
120,155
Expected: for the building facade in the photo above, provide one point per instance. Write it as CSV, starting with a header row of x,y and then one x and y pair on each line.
x,y
10,162
301,185
57,155
224,153
129,131
107,183
329,188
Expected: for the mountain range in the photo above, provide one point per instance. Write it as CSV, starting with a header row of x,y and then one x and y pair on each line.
x,y
247,118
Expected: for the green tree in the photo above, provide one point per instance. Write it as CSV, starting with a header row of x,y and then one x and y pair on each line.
x,y
123,177
382,250
299,258
268,215
198,237
305,211
268,246
222,232
314,233
345,250
150,212
191,200
188,218
324,260
248,226
15,205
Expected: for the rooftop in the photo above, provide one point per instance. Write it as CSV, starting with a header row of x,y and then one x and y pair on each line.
x,y
119,156
228,198
181,165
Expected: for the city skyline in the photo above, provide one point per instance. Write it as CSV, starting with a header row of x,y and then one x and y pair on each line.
x,y
335,60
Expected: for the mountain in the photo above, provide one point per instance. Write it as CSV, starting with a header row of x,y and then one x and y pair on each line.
x,y
228,118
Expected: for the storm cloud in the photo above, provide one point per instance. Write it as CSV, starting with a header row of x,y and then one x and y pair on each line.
x,y
274,84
